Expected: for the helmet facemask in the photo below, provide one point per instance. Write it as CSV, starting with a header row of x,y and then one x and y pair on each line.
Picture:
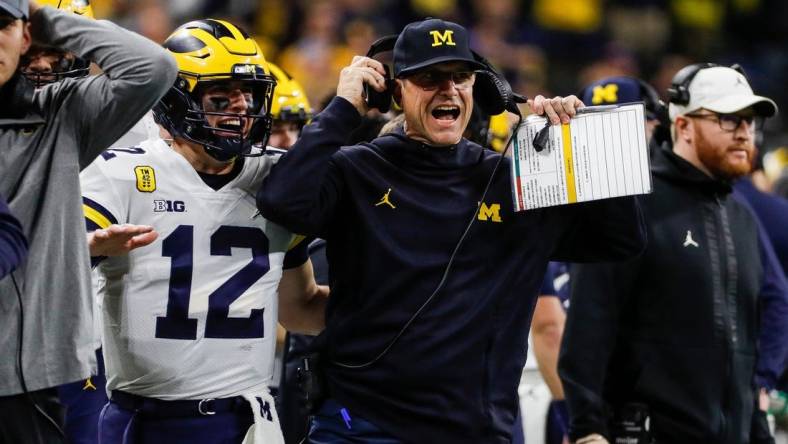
x,y
62,65
215,53
188,114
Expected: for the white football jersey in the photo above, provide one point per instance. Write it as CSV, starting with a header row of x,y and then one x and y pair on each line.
x,y
145,129
192,315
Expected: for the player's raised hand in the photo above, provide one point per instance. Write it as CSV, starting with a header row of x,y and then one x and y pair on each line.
x,y
117,240
558,109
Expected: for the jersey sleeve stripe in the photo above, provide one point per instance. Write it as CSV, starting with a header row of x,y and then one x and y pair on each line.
x,y
296,240
96,213
91,226
96,217
100,209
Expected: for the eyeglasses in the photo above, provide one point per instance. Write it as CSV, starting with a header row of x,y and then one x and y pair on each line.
x,y
731,122
432,79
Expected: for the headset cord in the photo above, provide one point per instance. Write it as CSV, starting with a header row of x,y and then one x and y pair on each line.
x,y
19,363
448,265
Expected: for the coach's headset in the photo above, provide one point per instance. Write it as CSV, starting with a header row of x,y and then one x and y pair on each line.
x,y
494,95
678,92
491,91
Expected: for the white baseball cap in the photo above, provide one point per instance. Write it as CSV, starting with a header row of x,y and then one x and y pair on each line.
x,y
722,90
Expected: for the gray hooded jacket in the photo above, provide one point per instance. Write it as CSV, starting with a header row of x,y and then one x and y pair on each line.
x,y
41,154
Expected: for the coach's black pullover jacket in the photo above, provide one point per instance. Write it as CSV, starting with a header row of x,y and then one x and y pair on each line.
x,y
675,328
392,214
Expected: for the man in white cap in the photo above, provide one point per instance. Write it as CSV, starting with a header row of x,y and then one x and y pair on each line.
x,y
673,336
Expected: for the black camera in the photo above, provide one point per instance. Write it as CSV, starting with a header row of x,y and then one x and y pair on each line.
x,y
631,425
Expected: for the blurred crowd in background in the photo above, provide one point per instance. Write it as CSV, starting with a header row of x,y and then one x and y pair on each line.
x,y
543,46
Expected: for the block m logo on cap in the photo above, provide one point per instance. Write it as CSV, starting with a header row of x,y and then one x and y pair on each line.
x,y
443,38
605,94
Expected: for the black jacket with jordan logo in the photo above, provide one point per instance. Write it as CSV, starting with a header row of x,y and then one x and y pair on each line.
x,y
392,213
676,328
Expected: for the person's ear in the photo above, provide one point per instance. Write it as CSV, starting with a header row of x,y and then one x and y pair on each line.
x,y
683,127
397,93
27,39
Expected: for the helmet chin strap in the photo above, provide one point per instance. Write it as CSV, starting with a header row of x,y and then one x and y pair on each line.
x,y
221,156
228,151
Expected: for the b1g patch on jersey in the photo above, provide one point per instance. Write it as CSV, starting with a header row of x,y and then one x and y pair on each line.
x,y
146,179
169,206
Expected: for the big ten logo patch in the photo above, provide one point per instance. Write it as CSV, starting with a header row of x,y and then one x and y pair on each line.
x,y
168,206
491,212
443,38
146,179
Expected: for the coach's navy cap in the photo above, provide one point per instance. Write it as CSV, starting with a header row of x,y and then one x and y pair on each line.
x,y
431,41
15,8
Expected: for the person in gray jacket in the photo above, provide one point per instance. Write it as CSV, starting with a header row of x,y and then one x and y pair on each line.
x,y
46,137
13,245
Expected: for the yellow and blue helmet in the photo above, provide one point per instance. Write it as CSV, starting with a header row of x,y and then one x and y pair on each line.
x,y
79,7
210,52
290,103
67,64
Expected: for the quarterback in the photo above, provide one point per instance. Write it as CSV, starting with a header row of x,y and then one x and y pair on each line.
x,y
190,309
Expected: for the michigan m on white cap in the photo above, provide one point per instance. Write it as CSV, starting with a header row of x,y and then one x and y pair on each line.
x,y
722,90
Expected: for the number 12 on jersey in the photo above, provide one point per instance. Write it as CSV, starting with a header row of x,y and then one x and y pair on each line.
x,y
179,247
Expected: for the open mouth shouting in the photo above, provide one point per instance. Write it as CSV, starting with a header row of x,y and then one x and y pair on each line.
x,y
231,127
446,115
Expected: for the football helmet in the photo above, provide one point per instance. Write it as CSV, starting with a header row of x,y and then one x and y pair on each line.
x,y
212,53
79,7
61,64
290,103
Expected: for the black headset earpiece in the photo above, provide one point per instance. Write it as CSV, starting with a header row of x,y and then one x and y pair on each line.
x,y
375,99
678,92
491,91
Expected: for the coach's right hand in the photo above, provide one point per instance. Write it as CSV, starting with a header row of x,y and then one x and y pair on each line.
x,y
353,77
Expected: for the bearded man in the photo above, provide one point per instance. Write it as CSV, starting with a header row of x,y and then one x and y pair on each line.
x,y
674,334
